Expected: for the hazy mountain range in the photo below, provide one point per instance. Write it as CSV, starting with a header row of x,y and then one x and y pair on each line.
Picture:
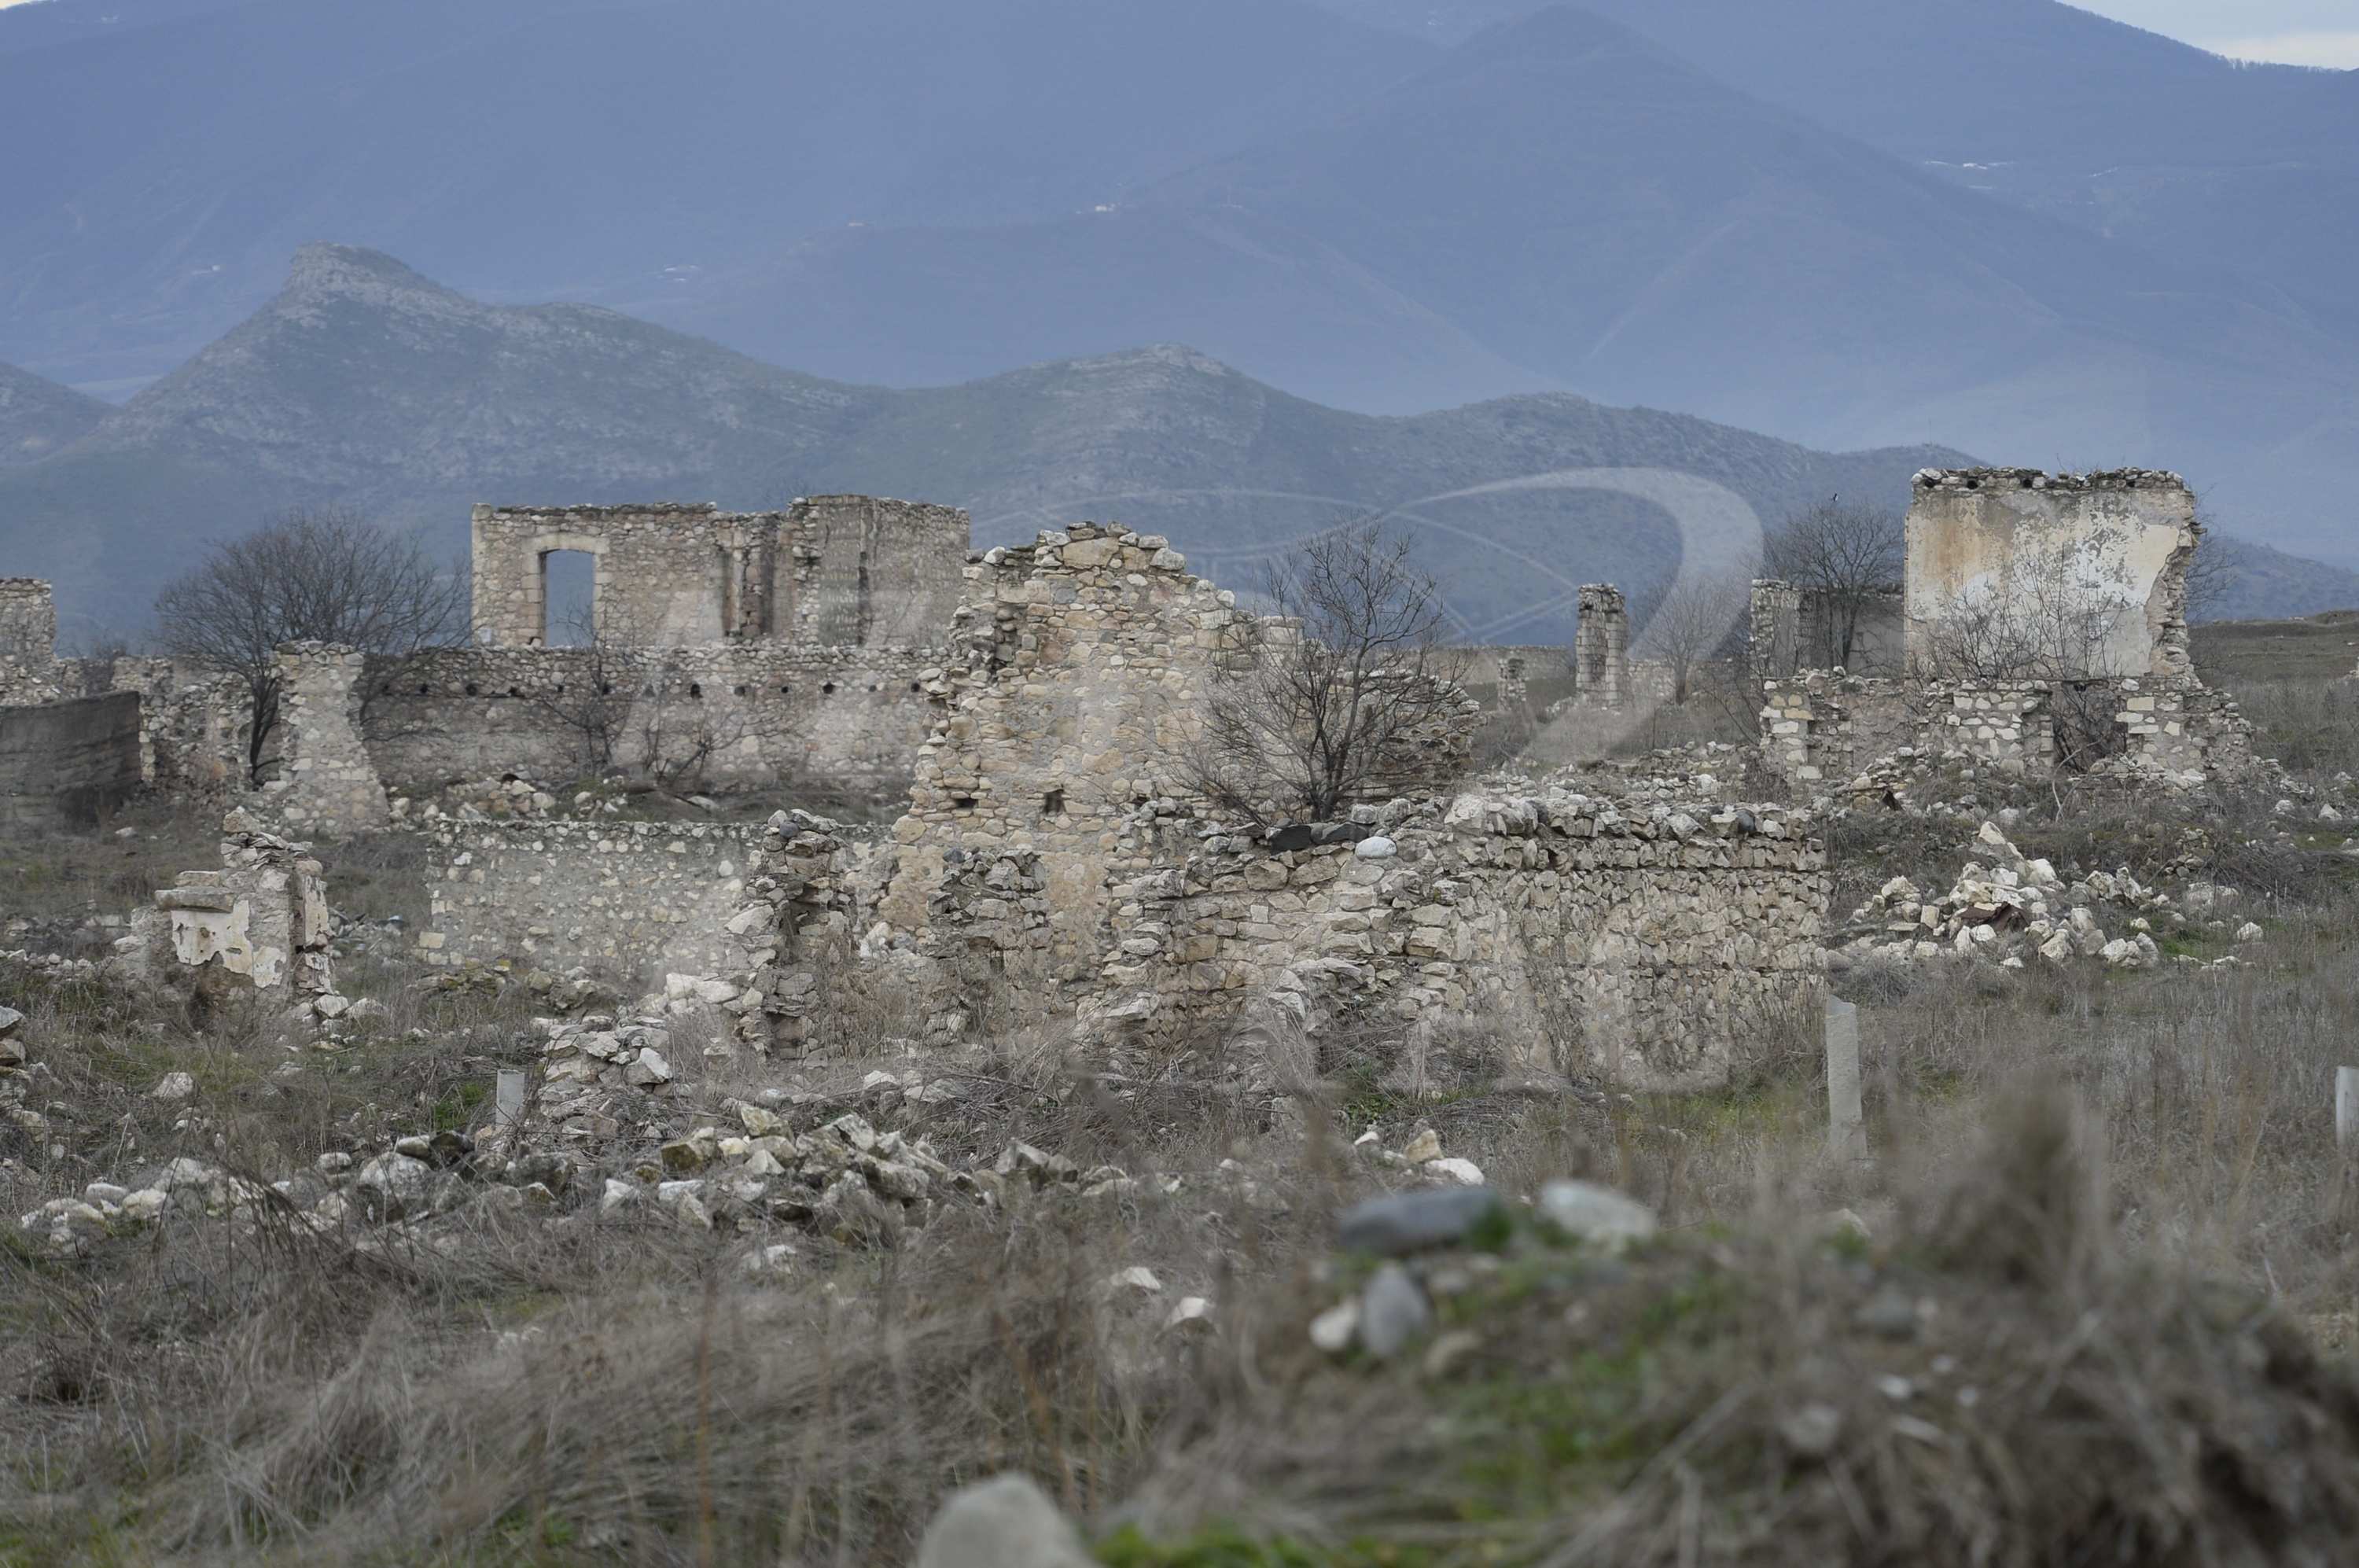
x,y
2005,226
364,385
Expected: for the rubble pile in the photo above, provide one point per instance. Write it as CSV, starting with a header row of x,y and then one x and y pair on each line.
x,y
18,1075
2014,908
845,1180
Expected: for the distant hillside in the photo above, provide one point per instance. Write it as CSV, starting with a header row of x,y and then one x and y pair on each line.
x,y
364,384
2047,105
2262,584
1562,202
38,417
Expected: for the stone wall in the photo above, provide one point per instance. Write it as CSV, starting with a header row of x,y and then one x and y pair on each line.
x,y
1658,949
2045,628
766,713
2107,552
663,573
872,572
1822,731
1826,732
630,901
192,726
64,762
28,637
1052,864
741,916
326,782
1505,676
1084,662
830,571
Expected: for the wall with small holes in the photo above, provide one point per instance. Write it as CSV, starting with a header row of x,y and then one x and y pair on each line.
x,y
762,713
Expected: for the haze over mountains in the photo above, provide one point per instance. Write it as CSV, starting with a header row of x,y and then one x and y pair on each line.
x,y
1758,212
364,384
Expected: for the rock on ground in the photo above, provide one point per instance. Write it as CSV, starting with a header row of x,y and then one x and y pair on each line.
x,y
1005,1522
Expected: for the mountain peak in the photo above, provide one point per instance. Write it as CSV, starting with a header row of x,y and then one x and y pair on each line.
x,y
323,272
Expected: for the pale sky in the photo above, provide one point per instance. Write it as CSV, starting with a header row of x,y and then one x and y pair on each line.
x,y
2294,32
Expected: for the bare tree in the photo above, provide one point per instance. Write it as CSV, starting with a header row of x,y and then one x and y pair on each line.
x,y
2048,622
593,684
1848,555
1350,685
1700,619
321,575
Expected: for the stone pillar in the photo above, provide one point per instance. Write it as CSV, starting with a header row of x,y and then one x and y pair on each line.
x,y
1777,629
327,783
28,640
1601,648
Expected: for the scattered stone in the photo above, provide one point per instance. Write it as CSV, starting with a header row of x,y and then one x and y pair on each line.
x,y
174,1086
1333,1329
1811,1429
1405,1223
1393,1311
1005,1522
1192,1312
2250,931
1588,1211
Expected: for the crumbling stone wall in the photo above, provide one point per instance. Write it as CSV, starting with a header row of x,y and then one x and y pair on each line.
x,y
1083,662
664,574
28,637
835,571
1797,629
2018,536
2001,563
744,917
1824,733
327,783
1051,865
1823,729
193,725
64,762
872,572
1655,950
254,934
1506,677
770,712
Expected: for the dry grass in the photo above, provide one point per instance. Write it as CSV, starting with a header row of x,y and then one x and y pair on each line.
x,y
584,1388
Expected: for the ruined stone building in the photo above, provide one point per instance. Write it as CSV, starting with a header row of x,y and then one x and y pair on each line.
x,y
2041,623
762,647
1052,872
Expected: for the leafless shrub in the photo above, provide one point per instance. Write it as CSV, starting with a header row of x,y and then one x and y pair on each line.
x,y
1353,695
319,575
1701,618
1849,554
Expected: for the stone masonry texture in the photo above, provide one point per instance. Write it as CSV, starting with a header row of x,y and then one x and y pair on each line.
x,y
1051,865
